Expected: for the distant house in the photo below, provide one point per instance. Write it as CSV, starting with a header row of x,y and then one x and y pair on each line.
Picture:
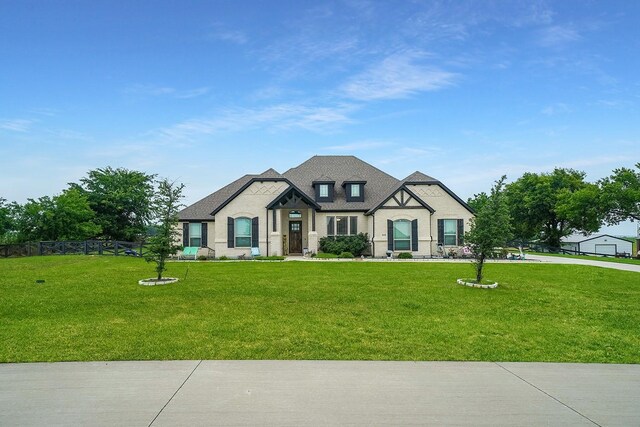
x,y
286,214
599,244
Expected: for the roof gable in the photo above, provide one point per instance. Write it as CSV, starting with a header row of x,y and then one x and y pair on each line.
x,y
205,208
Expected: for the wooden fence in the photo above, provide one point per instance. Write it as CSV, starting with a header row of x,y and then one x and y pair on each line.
x,y
87,247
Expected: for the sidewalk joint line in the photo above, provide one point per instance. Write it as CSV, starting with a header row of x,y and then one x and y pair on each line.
x,y
174,394
544,392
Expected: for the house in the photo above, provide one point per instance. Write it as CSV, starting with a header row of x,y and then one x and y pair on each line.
x,y
601,244
287,214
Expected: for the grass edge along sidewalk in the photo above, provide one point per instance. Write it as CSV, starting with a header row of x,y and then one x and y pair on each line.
x,y
90,308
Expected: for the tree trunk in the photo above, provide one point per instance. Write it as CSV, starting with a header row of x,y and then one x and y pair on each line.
x,y
479,266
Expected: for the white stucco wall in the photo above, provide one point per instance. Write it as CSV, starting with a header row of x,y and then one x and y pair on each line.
x,y
252,202
445,206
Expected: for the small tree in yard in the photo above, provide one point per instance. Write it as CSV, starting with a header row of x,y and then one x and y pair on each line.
x,y
490,228
165,207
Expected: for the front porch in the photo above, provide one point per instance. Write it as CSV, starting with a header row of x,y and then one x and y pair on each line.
x,y
293,224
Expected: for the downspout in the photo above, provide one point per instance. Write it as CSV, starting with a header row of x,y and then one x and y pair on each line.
x,y
373,238
267,228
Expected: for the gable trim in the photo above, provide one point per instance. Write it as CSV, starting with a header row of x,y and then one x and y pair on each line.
x,y
402,187
444,187
303,197
251,181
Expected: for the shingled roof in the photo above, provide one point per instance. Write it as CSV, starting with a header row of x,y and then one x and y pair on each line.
x,y
202,209
341,169
418,176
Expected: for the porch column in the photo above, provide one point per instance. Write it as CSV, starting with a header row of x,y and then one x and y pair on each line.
x,y
275,239
312,235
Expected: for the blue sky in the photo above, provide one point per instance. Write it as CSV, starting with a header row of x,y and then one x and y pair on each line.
x,y
205,91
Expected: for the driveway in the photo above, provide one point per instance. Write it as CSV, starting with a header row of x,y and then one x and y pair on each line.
x,y
295,393
577,261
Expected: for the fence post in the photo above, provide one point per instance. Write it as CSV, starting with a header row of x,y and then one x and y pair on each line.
x,y
40,248
115,248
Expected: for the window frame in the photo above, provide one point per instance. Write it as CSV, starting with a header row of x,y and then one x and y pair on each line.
x,y
454,234
192,236
407,240
332,225
237,236
324,187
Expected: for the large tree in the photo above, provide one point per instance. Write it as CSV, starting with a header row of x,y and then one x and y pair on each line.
x,y
620,196
5,217
121,199
491,226
549,206
66,216
165,207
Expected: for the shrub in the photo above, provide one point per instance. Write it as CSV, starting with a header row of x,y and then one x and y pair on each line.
x,y
202,258
269,258
223,258
345,255
405,255
358,245
326,255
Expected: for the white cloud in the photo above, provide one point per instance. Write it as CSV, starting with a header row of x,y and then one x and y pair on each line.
x,y
397,76
357,146
223,33
152,90
16,125
558,108
557,35
271,118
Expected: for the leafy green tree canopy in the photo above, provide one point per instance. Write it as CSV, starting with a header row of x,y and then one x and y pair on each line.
x,y
491,226
164,208
121,200
63,217
549,206
621,195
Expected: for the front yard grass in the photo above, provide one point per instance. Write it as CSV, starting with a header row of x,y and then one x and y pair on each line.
x,y
91,308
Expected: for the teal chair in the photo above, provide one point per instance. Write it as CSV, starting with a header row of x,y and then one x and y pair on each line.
x,y
190,252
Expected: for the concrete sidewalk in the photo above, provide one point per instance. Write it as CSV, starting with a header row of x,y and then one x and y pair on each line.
x,y
178,393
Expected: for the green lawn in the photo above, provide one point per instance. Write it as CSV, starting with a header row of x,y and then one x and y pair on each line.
x,y
91,308
594,258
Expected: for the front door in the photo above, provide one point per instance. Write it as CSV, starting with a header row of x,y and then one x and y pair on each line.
x,y
295,237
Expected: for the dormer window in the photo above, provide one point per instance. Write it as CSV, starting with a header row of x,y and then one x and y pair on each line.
x,y
324,190
354,190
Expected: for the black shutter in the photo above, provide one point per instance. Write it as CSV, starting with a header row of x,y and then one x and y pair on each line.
x,y
254,232
185,234
204,235
389,235
353,225
441,231
460,232
414,235
230,232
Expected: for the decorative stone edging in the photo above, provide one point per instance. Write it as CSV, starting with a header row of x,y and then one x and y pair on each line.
x,y
155,282
477,285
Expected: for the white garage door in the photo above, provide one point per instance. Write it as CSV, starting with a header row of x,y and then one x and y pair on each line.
x,y
606,249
